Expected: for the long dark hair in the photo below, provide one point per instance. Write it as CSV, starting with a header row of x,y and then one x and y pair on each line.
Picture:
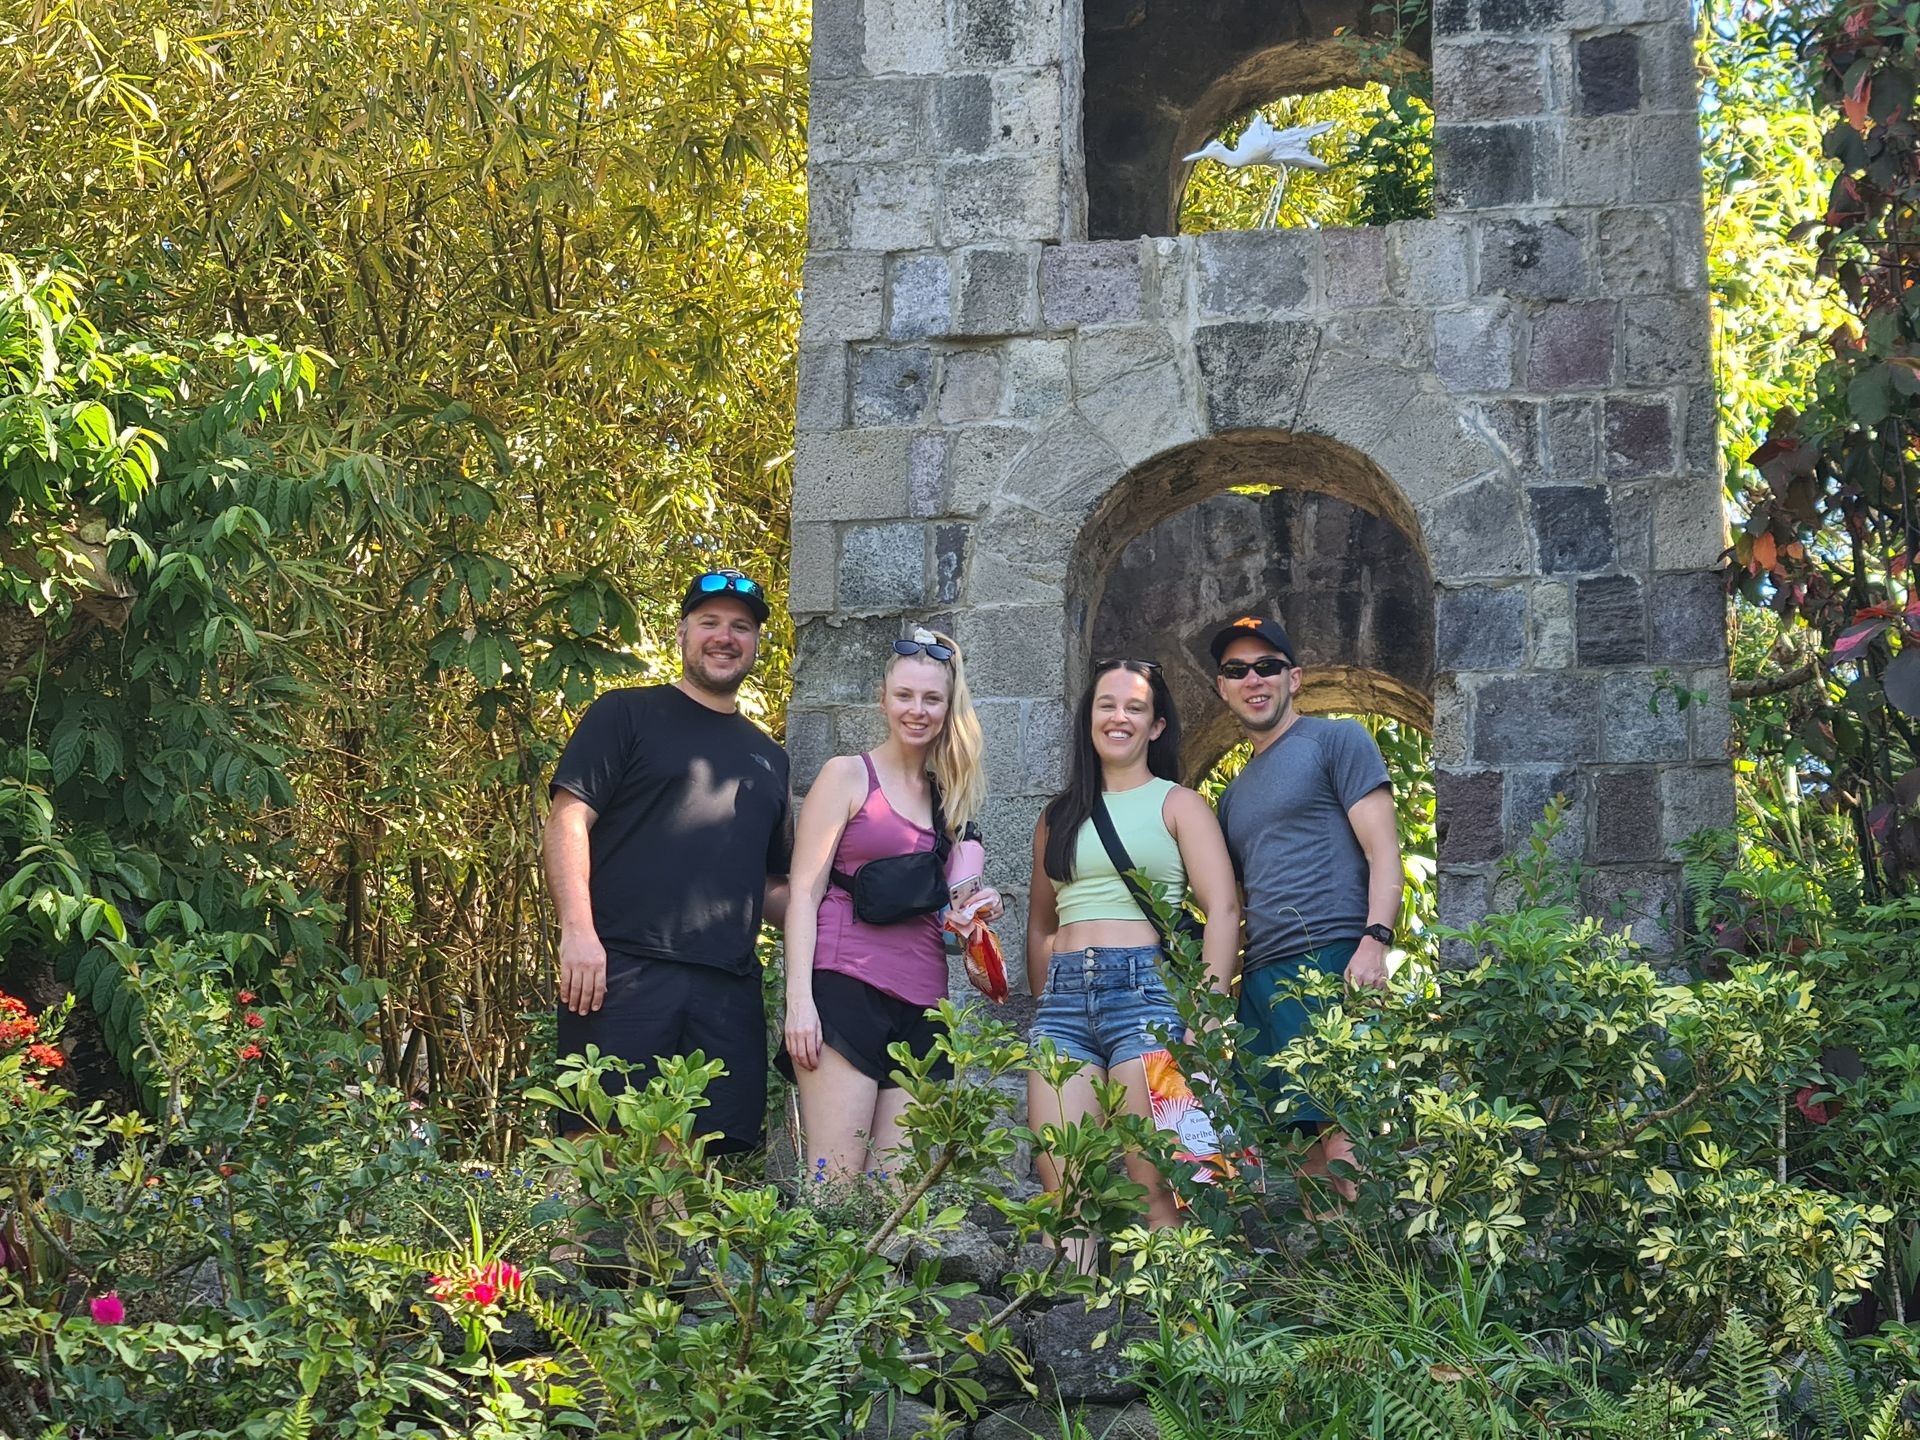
x,y
1069,810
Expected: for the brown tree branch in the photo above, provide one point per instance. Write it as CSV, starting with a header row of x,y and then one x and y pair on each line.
x,y
1776,684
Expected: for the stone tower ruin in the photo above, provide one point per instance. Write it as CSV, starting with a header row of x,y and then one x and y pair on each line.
x,y
1026,404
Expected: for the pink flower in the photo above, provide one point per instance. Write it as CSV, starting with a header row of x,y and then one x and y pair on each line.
x,y
254,1022
106,1309
246,997
481,1293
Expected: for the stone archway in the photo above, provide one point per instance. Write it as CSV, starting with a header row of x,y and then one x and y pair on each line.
x,y
1162,76
1350,587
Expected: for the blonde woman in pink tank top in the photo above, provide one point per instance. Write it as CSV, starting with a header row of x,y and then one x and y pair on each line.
x,y
855,988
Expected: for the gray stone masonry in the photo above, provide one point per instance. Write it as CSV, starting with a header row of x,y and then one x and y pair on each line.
x,y
992,407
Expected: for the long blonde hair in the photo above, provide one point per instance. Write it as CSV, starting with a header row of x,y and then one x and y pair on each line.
x,y
954,756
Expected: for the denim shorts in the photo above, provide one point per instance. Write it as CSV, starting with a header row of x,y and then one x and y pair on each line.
x,y
1102,1005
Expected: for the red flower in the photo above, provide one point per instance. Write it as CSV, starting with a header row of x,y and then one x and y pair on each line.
x,y
24,1028
48,1057
106,1309
479,1287
11,1005
246,997
227,1172
1815,1111
254,1022
251,1051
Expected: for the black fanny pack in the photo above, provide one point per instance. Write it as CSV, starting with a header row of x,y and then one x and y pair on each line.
x,y
899,887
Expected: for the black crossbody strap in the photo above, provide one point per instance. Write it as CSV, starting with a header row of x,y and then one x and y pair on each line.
x,y
1123,862
942,844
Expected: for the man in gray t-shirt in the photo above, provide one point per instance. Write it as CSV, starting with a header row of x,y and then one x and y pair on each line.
x,y
1310,826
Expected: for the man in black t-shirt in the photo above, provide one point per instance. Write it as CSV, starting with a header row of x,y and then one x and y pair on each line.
x,y
667,844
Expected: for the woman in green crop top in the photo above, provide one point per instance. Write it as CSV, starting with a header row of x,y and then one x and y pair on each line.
x,y
1093,956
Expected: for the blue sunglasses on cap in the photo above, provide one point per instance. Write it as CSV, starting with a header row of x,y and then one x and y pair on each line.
x,y
716,581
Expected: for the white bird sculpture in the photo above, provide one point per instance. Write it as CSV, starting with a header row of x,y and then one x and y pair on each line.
x,y
1261,144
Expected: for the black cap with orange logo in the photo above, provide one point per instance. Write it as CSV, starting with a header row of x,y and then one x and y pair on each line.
x,y
1253,627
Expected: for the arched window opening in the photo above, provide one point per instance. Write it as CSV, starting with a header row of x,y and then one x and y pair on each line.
x,y
1378,151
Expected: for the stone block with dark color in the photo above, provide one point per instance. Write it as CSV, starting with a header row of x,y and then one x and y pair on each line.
x,y
1572,345
1639,439
1536,718
1626,815
1610,621
1530,790
1254,374
963,114
1482,627
1485,167
891,385
1508,16
1468,812
949,562
994,290
1608,71
1689,615
1573,528
1540,259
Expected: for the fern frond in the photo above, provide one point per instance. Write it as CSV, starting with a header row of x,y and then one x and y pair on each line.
x,y
1837,1398
572,1324
299,1422
1737,1381
1888,1423
1417,1407
1172,1424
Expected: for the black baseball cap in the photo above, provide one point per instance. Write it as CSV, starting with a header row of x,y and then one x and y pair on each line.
x,y
716,583
1252,627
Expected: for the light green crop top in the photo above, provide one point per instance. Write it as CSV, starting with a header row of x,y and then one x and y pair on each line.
x,y
1096,891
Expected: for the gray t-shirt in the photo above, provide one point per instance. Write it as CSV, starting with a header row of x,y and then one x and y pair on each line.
x,y
1285,816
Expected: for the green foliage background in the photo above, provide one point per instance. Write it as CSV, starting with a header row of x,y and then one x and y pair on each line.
x,y
538,265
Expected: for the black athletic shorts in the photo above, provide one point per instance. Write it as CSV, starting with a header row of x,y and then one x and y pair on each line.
x,y
656,1008
858,1023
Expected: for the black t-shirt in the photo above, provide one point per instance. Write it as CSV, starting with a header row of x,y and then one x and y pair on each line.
x,y
692,817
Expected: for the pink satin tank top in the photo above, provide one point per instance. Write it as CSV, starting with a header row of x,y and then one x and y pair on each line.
x,y
906,960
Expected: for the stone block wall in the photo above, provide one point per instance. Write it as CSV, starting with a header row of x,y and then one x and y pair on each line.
x,y
991,407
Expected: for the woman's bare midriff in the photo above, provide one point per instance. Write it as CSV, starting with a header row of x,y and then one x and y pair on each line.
x,y
1104,935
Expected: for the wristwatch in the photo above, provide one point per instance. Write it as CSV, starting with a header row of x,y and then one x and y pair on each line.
x,y
1382,933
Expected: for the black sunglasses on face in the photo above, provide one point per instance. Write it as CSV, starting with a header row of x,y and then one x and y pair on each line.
x,y
931,649
1143,667
717,582
1266,667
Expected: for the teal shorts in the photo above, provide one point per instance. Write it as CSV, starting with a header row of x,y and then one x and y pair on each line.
x,y
1274,1018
